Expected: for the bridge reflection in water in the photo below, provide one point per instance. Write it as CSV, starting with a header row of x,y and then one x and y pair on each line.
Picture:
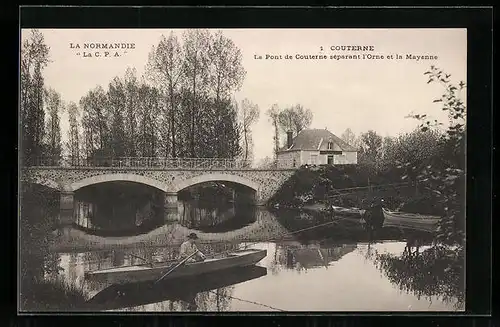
x,y
127,209
297,274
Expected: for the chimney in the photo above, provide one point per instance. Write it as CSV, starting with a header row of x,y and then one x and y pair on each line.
x,y
289,139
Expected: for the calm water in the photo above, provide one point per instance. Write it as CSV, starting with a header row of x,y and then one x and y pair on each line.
x,y
331,268
336,278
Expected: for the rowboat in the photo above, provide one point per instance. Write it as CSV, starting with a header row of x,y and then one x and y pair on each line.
x,y
142,293
356,212
153,271
410,220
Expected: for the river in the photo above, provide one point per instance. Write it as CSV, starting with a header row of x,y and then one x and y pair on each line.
x,y
336,267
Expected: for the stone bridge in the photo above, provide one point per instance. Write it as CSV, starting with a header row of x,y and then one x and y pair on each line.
x,y
67,180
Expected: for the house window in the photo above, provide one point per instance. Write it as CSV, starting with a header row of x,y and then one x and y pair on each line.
x,y
314,159
330,145
330,159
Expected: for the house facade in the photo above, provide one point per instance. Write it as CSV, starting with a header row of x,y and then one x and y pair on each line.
x,y
316,147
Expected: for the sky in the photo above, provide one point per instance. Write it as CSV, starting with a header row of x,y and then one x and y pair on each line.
x,y
360,94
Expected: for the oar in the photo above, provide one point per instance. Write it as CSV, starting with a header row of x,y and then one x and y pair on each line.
x,y
175,267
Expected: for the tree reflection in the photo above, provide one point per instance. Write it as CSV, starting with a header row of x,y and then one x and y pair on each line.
x,y
215,216
223,298
72,273
188,302
436,271
214,300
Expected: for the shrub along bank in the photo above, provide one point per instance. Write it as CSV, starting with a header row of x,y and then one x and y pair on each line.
x,y
353,186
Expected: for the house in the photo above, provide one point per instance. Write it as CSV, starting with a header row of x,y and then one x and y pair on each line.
x,y
316,147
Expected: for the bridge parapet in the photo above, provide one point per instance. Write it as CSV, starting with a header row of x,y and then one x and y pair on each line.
x,y
157,163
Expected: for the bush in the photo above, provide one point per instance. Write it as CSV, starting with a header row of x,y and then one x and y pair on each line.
x,y
43,295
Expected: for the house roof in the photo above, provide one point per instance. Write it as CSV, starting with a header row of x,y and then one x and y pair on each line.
x,y
318,139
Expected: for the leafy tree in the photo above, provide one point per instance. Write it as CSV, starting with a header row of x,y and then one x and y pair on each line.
x,y
131,108
184,109
116,100
266,163
295,119
349,137
371,144
165,69
148,113
387,143
55,106
95,121
230,132
226,72
273,114
225,75
445,176
73,143
415,150
369,153
302,118
249,113
196,62
34,58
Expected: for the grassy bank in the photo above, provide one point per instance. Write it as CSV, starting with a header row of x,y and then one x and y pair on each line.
x,y
44,295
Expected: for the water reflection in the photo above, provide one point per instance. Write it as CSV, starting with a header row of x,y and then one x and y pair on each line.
x,y
226,217
190,294
435,271
118,208
293,276
93,219
335,267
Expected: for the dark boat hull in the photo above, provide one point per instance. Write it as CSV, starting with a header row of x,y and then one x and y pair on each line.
x,y
144,273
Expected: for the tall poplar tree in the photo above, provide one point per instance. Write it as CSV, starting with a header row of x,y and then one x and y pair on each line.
x,y
34,58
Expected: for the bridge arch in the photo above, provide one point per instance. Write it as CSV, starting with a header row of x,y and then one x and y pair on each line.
x,y
216,177
117,177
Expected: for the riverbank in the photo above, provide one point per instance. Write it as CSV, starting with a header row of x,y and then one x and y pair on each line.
x,y
51,295
316,188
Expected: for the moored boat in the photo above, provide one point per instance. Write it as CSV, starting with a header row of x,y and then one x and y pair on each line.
x,y
153,271
348,211
317,207
410,220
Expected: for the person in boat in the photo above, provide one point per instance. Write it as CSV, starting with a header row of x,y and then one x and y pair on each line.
x,y
189,247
